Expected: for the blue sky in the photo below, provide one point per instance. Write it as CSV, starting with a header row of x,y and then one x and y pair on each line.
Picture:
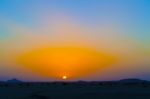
x,y
132,15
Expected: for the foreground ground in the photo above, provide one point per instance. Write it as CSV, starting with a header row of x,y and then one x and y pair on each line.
x,y
62,90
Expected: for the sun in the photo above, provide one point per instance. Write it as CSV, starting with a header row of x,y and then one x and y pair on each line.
x,y
64,77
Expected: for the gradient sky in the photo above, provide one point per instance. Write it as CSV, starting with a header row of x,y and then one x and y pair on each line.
x,y
102,30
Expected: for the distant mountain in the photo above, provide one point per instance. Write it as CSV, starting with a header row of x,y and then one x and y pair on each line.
x,y
132,80
14,81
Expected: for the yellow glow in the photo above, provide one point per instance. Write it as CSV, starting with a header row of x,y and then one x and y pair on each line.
x,y
74,62
64,77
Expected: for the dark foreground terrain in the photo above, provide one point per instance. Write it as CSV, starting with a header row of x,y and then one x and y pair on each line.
x,y
76,90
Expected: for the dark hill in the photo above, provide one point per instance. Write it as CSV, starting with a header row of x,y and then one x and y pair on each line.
x,y
132,80
14,81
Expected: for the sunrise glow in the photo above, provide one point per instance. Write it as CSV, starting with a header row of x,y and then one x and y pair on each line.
x,y
75,61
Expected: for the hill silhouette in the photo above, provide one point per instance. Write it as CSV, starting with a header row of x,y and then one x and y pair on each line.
x,y
130,80
14,80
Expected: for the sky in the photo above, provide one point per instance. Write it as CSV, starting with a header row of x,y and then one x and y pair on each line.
x,y
46,40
